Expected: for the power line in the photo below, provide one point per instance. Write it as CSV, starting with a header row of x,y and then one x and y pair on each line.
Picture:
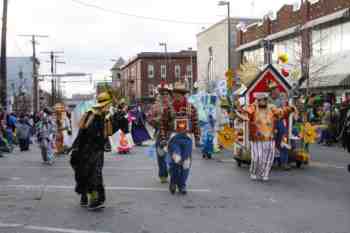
x,y
137,16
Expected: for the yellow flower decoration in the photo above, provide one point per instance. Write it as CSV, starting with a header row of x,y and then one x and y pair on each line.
x,y
227,137
308,133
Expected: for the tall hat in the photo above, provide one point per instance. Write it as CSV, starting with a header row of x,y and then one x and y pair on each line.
x,y
180,87
103,99
164,88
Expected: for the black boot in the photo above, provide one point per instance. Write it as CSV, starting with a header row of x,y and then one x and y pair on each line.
x,y
96,205
84,201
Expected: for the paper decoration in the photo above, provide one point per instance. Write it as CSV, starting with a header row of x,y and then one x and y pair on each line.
x,y
308,133
227,137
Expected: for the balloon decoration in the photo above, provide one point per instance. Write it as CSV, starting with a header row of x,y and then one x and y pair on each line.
x,y
283,58
285,72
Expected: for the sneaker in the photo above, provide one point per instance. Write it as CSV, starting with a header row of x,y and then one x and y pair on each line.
x,y
172,188
96,205
265,178
253,177
286,167
183,191
84,202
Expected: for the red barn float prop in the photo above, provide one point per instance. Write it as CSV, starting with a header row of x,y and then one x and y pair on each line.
x,y
261,84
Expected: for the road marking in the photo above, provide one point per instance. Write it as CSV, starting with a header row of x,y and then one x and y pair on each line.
x,y
326,165
47,229
111,188
3,225
53,167
62,230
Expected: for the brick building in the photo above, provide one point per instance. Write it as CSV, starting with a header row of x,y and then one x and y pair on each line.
x,y
142,74
314,33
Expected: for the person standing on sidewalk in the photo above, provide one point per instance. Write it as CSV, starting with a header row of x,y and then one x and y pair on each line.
x,y
23,133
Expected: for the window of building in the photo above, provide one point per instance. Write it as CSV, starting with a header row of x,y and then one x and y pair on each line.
x,y
133,72
189,70
163,71
150,71
255,56
292,47
150,90
177,72
331,40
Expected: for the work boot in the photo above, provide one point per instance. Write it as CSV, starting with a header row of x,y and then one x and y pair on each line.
x,y
172,188
163,180
84,201
286,167
96,205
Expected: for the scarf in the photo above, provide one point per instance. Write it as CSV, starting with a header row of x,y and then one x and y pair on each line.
x,y
179,105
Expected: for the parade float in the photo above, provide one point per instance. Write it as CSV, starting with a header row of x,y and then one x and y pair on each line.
x,y
300,135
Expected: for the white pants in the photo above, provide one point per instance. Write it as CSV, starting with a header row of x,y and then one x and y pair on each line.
x,y
263,155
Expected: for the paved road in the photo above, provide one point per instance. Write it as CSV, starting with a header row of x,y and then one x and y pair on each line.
x,y
37,198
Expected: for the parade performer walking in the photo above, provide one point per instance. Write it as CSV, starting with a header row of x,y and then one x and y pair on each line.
x,y
87,156
161,117
180,143
138,128
262,118
46,131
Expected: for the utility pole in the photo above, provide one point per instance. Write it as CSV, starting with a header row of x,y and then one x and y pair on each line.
x,y
35,71
59,91
3,70
53,80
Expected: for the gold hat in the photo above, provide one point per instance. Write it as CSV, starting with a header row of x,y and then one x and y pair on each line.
x,y
180,87
103,99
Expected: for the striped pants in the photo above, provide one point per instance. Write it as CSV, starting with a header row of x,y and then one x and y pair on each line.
x,y
263,155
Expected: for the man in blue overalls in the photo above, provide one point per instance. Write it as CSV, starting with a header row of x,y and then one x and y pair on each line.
x,y
180,143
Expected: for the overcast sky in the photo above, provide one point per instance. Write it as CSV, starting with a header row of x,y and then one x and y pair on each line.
x,y
91,37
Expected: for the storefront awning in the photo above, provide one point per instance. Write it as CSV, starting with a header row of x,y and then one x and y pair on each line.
x,y
283,33
249,45
332,81
327,18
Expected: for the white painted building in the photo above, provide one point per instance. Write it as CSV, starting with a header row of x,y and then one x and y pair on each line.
x,y
212,55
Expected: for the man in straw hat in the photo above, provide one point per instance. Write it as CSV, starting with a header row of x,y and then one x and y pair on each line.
x,y
161,117
87,156
180,143
262,118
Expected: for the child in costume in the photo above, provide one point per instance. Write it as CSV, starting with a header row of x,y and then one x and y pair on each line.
x,y
124,147
208,138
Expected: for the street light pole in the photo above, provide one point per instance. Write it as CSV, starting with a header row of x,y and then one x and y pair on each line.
x,y
164,44
191,76
227,3
3,71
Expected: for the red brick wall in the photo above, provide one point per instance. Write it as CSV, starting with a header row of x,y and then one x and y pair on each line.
x,y
139,88
157,62
287,17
